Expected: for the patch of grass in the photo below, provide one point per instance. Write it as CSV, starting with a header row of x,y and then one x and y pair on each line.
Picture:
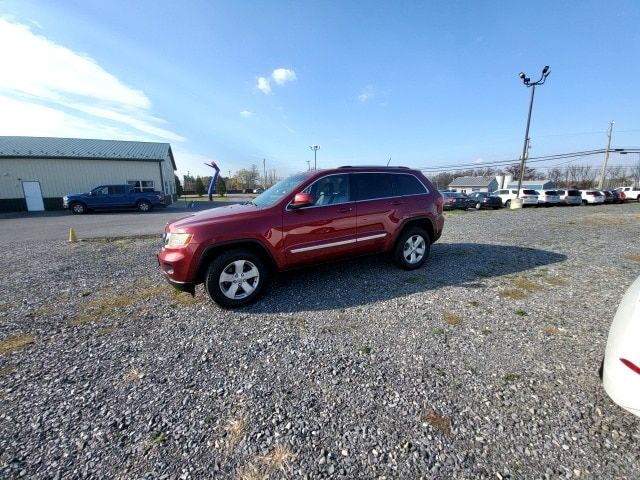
x,y
485,331
451,318
235,430
134,375
512,293
123,239
526,284
556,281
5,371
108,302
15,343
520,312
108,330
250,472
511,377
474,303
279,459
157,438
42,311
6,306
184,299
364,349
437,331
553,331
439,422
633,258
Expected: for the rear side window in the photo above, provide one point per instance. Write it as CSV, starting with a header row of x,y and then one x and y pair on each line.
x,y
116,190
369,186
406,185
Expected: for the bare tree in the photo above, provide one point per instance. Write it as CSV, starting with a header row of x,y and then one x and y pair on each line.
x,y
635,173
529,173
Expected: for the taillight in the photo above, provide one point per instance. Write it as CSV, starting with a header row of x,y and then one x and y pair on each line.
x,y
439,203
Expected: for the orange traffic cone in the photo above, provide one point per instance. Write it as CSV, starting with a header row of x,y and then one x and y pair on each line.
x,y
72,236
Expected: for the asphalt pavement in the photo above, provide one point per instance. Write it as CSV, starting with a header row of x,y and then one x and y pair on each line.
x,y
55,225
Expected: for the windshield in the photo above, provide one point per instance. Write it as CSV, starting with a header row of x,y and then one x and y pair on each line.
x,y
274,193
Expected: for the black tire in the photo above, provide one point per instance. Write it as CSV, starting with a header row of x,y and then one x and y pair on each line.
x,y
144,206
507,204
412,240
584,202
220,291
78,208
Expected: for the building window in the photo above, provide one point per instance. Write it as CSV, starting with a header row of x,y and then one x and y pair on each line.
x,y
141,185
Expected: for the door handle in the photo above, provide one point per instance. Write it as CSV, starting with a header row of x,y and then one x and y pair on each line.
x,y
345,209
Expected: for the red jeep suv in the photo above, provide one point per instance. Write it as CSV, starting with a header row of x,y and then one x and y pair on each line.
x,y
306,219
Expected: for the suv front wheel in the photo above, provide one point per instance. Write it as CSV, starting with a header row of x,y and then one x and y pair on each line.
x,y
412,248
236,278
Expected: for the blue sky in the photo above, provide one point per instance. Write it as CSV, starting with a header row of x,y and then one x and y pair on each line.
x,y
425,83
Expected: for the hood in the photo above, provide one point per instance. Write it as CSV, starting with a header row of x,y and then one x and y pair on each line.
x,y
213,214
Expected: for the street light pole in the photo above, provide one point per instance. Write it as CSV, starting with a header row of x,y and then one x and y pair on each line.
x,y
315,149
525,148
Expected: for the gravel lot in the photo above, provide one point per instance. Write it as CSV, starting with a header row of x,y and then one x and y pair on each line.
x,y
483,364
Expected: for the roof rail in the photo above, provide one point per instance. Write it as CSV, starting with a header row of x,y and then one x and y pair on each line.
x,y
373,166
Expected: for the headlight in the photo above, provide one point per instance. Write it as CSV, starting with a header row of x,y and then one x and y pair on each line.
x,y
177,239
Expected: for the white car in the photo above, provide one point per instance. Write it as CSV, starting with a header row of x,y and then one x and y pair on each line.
x,y
592,197
529,197
548,198
621,365
570,197
630,193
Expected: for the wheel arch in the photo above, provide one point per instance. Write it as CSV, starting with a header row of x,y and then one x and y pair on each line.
x,y
253,246
423,222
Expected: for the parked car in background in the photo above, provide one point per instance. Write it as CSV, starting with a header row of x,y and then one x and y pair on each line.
x,y
620,370
529,197
480,200
609,196
630,193
621,196
570,197
454,201
592,197
113,197
548,198
309,218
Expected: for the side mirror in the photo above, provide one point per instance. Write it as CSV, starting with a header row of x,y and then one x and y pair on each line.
x,y
302,199
91,194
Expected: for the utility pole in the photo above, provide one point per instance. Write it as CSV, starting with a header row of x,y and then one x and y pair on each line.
x,y
308,164
606,156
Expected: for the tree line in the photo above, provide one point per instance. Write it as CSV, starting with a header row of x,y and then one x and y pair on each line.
x,y
571,176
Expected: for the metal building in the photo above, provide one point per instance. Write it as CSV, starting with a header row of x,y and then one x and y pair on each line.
x,y
474,184
36,172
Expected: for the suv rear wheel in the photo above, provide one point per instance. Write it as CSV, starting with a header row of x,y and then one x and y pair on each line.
x,y
412,249
236,278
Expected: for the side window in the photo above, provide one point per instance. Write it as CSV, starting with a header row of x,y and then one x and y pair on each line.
x,y
330,190
370,186
101,191
404,184
116,190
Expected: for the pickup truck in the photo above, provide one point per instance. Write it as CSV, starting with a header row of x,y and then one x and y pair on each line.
x,y
630,193
113,197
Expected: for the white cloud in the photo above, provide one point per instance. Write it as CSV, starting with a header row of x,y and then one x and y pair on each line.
x,y
41,75
366,95
283,75
478,160
264,85
246,114
280,76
